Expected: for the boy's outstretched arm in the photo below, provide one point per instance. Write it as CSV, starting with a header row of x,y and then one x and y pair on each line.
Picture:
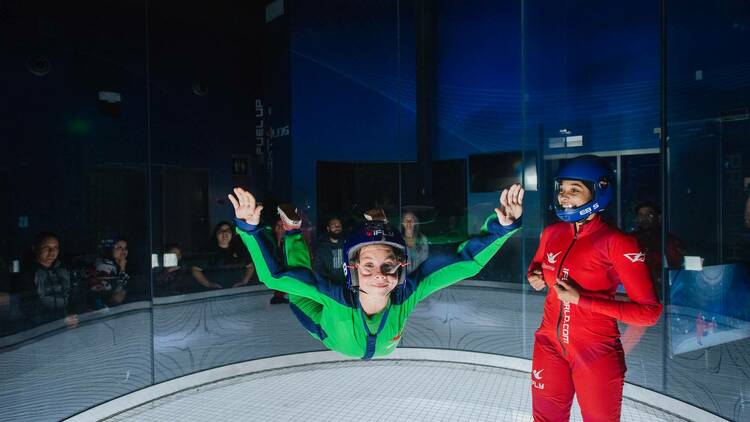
x,y
440,271
299,281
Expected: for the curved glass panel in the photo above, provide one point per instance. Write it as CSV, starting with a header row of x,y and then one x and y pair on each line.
x,y
76,317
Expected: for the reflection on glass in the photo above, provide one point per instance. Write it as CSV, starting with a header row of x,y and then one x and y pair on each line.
x,y
708,307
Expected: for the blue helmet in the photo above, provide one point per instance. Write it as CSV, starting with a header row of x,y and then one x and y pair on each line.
x,y
373,232
597,176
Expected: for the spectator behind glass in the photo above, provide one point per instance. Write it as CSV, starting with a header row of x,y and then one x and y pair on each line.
x,y
228,264
108,287
329,253
417,244
648,233
173,279
47,291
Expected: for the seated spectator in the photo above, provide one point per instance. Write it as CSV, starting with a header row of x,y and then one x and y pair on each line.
x,y
329,253
417,245
228,265
172,279
108,285
648,233
46,291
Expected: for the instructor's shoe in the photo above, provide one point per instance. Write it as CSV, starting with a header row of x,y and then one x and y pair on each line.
x,y
289,216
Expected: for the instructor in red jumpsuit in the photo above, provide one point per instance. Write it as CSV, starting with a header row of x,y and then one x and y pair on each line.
x,y
581,259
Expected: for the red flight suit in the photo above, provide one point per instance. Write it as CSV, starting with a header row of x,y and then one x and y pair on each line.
x,y
577,347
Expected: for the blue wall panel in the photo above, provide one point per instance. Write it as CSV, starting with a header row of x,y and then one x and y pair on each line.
x,y
353,86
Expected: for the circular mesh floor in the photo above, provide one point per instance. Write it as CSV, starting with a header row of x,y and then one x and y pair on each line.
x,y
381,390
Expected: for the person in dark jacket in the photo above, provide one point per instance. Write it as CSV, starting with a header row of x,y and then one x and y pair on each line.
x,y
47,291
329,253
648,234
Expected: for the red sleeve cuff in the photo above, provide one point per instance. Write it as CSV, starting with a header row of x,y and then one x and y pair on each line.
x,y
585,302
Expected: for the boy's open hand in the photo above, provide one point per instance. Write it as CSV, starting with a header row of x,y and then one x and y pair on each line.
x,y
511,205
245,207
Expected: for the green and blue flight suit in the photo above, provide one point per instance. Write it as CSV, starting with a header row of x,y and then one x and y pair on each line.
x,y
331,312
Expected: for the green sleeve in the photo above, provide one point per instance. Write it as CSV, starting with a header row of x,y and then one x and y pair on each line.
x,y
441,271
296,281
296,251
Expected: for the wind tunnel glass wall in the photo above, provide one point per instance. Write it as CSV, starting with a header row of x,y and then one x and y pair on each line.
x,y
593,87
75,251
353,93
708,296
219,119
533,97
127,127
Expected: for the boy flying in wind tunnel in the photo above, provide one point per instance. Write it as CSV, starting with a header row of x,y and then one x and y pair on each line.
x,y
366,317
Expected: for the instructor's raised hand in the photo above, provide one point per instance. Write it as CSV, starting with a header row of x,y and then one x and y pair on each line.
x,y
245,207
511,205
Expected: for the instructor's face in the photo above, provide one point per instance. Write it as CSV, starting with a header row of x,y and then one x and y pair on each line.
x,y
370,270
573,194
